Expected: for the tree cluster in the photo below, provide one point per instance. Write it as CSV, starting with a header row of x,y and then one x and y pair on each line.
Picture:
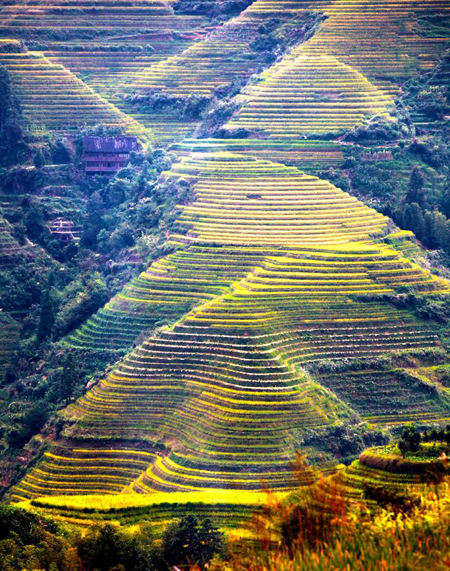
x,y
29,541
412,438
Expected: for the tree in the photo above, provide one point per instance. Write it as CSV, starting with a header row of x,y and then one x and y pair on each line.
x,y
445,202
189,543
60,153
64,380
38,159
416,187
441,231
94,220
410,440
414,220
47,317
105,548
430,235
13,149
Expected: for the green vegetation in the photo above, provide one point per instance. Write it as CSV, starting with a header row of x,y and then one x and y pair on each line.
x,y
393,518
29,541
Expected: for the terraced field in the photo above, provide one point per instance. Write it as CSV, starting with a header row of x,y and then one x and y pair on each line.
x,y
377,467
387,396
224,56
383,39
379,473
344,74
277,264
274,271
308,155
103,41
230,511
53,98
309,92
244,212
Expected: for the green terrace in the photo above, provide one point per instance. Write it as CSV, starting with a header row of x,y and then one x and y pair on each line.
x,y
53,98
246,218
309,92
307,155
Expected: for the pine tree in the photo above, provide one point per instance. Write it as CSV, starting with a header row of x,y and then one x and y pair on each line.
x,y
68,379
441,230
399,217
445,202
430,233
414,220
416,187
94,220
447,247
407,217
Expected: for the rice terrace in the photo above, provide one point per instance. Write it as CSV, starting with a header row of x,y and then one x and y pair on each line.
x,y
224,285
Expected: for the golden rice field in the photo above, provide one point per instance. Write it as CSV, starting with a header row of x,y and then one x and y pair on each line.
x,y
231,510
275,265
274,270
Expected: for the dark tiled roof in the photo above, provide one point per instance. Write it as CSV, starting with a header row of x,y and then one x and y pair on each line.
x,y
110,144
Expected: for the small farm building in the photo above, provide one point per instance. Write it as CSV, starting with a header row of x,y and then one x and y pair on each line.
x,y
104,155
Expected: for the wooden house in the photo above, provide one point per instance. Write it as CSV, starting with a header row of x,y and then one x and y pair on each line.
x,y
106,155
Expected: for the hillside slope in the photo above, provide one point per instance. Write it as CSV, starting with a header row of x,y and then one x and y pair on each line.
x,y
215,398
272,317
